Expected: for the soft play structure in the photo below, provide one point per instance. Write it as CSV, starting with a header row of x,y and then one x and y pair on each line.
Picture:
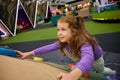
x,y
8,52
17,69
11,67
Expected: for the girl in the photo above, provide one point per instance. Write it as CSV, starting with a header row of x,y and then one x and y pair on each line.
x,y
78,44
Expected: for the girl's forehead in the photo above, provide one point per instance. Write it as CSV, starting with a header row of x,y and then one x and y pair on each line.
x,y
62,24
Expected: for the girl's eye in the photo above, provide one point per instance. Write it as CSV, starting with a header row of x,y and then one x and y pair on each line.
x,y
57,29
63,29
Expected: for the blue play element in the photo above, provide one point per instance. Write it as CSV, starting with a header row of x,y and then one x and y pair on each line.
x,y
110,7
108,78
8,52
1,33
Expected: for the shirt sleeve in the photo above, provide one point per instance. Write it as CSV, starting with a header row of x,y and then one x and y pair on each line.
x,y
87,59
46,49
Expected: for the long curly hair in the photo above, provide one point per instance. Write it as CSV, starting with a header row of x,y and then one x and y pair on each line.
x,y
80,35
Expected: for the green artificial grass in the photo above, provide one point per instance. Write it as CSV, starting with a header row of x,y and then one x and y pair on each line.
x,y
107,14
40,34
51,33
102,28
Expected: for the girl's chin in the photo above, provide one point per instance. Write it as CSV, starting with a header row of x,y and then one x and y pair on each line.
x,y
62,40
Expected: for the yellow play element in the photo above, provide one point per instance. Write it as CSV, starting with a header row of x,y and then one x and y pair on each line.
x,y
39,59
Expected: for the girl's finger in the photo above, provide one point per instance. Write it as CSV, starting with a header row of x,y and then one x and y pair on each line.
x,y
59,76
19,52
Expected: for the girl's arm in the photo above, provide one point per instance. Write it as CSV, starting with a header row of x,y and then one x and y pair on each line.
x,y
87,58
73,75
41,50
46,49
24,55
82,67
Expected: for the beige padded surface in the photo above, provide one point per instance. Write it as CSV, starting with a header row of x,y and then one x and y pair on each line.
x,y
17,69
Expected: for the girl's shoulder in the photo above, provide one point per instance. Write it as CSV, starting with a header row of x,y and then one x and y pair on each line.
x,y
87,45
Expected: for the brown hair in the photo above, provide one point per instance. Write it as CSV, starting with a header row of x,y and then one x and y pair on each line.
x,y
81,36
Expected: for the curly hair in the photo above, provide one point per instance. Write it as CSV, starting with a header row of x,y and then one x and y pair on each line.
x,y
81,36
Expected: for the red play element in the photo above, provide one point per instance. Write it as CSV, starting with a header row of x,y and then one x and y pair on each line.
x,y
70,65
87,75
23,23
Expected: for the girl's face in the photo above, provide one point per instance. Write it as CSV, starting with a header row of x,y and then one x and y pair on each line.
x,y
64,32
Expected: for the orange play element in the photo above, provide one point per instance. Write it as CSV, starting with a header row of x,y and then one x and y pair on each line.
x,y
87,75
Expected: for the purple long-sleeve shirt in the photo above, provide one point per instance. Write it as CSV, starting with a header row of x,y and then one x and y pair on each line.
x,y
87,55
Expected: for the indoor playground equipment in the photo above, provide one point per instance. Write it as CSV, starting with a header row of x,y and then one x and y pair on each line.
x,y
103,5
21,14
92,75
11,69
1,33
8,52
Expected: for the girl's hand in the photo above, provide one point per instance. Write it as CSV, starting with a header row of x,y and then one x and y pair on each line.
x,y
75,74
64,76
24,55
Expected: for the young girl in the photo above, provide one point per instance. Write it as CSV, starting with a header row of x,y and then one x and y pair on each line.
x,y
78,44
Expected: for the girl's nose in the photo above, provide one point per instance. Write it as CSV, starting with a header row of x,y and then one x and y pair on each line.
x,y
59,32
